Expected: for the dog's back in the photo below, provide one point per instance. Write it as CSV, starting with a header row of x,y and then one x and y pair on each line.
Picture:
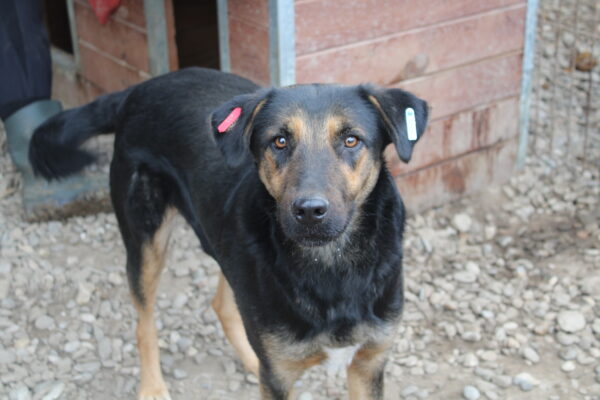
x,y
179,102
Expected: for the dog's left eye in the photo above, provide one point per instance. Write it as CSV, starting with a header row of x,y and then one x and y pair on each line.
x,y
280,142
351,141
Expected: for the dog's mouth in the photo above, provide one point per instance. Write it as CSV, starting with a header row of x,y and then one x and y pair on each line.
x,y
318,235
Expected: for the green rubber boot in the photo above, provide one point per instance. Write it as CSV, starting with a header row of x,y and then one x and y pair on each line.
x,y
76,195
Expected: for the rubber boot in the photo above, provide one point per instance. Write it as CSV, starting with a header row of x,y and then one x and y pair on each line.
x,y
76,195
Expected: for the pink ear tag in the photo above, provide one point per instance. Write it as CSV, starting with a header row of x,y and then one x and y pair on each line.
x,y
230,120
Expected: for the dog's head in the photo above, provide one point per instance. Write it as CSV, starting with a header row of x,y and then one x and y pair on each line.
x,y
318,148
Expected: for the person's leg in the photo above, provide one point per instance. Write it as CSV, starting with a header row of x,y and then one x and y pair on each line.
x,y
25,65
25,81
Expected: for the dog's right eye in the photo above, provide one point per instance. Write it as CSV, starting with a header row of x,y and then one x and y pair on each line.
x,y
280,142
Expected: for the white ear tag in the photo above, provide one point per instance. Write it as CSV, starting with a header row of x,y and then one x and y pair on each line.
x,y
411,124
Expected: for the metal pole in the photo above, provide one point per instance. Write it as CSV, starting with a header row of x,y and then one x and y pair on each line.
x,y
223,22
73,29
526,81
282,42
156,30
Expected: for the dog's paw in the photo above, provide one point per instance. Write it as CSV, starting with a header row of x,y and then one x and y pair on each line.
x,y
154,394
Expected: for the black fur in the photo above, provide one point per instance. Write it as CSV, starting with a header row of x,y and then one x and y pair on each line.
x,y
166,154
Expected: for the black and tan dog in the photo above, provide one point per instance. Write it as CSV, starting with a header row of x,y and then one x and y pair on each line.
x,y
297,208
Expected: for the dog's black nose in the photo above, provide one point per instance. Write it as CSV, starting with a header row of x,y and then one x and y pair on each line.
x,y
310,211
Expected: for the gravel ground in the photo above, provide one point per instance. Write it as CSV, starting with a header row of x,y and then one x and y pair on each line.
x,y
502,302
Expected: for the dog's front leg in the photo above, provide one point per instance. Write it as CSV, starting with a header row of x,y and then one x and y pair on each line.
x,y
279,373
365,373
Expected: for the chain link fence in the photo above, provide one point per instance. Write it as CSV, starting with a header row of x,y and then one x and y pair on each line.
x,y
565,112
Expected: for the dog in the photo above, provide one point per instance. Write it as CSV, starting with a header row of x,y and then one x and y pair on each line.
x,y
286,188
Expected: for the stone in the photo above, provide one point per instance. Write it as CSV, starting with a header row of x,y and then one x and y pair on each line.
x,y
20,393
568,366
84,293
525,381
410,390
55,392
531,355
305,396
462,222
571,321
471,392
7,357
465,277
44,322
179,374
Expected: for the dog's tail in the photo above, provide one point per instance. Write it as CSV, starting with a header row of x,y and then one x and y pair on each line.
x,y
54,148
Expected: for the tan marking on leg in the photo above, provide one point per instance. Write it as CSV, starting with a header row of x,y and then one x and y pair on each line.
x,y
224,305
367,364
288,362
152,384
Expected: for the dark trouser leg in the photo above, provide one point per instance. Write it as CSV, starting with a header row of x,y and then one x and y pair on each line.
x,y
25,66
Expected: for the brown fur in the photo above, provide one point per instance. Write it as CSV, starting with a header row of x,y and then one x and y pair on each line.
x,y
152,384
224,305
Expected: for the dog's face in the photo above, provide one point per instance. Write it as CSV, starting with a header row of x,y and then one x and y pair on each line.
x,y
318,149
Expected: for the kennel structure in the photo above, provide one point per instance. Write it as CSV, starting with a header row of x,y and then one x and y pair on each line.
x,y
463,57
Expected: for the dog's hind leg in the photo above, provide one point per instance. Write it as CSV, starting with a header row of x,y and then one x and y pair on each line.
x,y
224,305
145,219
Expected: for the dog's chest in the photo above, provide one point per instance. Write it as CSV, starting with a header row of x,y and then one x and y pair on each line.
x,y
339,358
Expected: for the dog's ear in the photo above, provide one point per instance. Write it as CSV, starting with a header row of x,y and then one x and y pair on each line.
x,y
232,125
402,114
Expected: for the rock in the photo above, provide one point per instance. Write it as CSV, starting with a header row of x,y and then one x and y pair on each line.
x,y
6,357
465,277
44,322
180,301
104,348
470,360
591,286
568,366
179,374
20,393
305,396
503,381
410,390
84,293
531,355
4,287
471,393
525,381
462,222
568,353
571,321
55,392
596,326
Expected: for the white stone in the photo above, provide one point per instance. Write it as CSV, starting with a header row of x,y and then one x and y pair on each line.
x,y
471,393
462,222
571,321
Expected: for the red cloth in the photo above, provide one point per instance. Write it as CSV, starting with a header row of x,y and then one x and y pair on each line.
x,y
104,8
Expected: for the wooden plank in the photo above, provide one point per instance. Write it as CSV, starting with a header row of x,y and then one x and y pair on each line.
x,y
329,23
449,92
108,74
249,47
114,38
255,11
455,178
461,133
411,54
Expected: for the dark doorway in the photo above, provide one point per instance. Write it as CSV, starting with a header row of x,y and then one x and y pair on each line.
x,y
196,33
56,17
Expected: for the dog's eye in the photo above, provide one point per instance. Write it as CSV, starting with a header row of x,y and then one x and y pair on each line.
x,y
280,142
351,141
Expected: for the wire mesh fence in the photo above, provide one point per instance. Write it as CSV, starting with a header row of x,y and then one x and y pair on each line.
x,y
565,114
